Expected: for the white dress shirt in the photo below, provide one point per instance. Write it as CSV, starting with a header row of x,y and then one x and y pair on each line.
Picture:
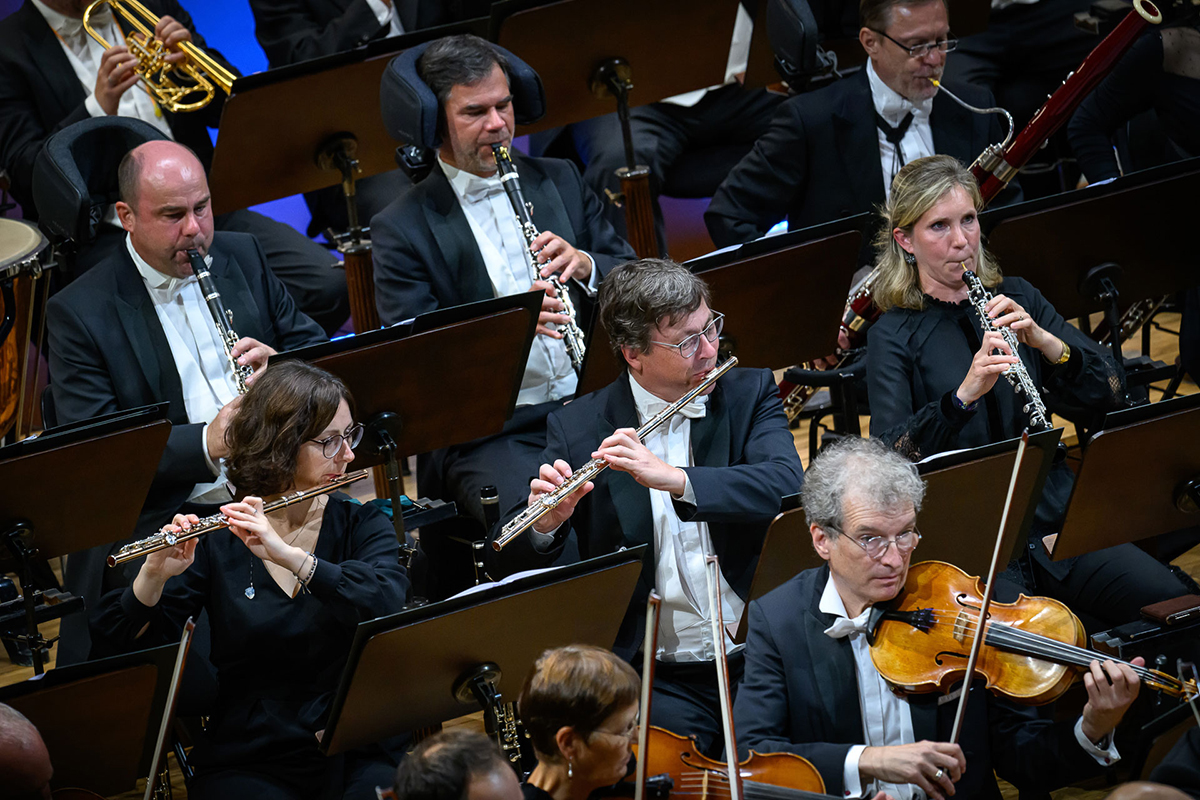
x,y
886,716
681,548
918,139
84,53
548,372
205,374
387,14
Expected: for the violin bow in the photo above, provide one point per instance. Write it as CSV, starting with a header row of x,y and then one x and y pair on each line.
x,y
164,728
712,569
649,650
980,630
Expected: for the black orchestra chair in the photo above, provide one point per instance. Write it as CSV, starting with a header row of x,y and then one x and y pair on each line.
x,y
75,180
410,108
410,114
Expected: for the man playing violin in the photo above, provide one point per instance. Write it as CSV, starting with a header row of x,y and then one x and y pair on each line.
x,y
809,667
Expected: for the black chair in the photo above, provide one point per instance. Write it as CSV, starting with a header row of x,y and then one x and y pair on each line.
x,y
844,384
75,180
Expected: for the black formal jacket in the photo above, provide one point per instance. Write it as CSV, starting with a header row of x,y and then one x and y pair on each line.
x,y
297,30
426,256
800,695
40,95
745,463
819,159
108,352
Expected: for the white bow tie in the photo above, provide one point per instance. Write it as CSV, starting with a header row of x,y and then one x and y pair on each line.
x,y
71,28
696,409
174,286
481,188
843,626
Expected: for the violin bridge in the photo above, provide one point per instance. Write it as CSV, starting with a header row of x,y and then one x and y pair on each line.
x,y
961,626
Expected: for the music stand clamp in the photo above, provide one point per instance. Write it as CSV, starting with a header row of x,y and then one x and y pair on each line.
x,y
478,685
339,153
380,438
1100,284
613,79
25,555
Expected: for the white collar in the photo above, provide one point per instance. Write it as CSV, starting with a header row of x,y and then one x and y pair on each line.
x,y
468,185
158,283
68,27
831,601
649,404
891,105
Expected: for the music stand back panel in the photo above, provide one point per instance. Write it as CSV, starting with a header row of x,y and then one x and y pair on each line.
x,y
696,33
114,707
1055,247
424,659
129,459
1125,489
425,369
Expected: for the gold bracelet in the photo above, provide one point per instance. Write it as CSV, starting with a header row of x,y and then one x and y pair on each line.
x,y
1066,354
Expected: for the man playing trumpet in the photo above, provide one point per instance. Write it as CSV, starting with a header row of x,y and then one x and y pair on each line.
x,y
707,481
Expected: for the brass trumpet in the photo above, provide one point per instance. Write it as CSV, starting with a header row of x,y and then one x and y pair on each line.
x,y
164,80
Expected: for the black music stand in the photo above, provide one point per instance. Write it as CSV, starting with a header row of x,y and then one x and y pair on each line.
x,y
36,525
748,291
1112,504
474,648
964,501
121,696
1055,241
316,102
424,400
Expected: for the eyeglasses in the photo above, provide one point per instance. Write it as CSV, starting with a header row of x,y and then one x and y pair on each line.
x,y
688,347
630,733
332,445
876,546
924,49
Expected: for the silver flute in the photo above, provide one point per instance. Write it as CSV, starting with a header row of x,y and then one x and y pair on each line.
x,y
1017,375
572,334
547,502
222,318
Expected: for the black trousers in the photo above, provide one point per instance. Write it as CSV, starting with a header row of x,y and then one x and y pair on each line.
x,y
1024,54
372,194
307,269
662,132
685,700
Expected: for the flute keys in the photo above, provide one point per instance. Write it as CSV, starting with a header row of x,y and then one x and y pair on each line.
x,y
170,538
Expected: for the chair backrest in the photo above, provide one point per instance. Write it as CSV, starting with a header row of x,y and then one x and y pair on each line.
x,y
410,108
795,41
75,174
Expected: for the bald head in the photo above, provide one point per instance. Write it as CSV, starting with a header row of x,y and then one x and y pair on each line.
x,y
165,205
25,769
159,161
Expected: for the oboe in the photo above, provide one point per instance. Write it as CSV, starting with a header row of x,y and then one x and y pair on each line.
x,y
222,318
1017,375
547,502
572,334
167,538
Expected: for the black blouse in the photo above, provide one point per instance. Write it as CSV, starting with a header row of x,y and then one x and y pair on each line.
x,y
278,658
917,359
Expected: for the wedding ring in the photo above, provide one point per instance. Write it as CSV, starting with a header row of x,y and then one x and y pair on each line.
x,y
937,776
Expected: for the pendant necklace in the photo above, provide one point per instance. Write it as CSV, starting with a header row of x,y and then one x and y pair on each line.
x,y
317,506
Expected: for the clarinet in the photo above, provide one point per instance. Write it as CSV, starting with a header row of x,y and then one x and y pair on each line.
x,y
572,334
1016,373
222,318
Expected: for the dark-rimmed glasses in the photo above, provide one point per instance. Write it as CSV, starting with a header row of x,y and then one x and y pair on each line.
x,y
876,546
332,445
923,49
688,347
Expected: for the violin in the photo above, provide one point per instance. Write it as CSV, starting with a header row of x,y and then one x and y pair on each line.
x,y
1032,650
781,776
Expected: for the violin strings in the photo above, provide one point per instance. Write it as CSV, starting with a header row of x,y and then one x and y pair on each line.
x,y
1026,642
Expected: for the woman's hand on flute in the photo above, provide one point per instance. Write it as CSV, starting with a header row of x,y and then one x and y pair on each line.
x,y
162,565
250,524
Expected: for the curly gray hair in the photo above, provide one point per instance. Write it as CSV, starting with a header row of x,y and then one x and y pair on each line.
x,y
863,469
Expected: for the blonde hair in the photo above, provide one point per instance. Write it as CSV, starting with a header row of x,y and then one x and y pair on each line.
x,y
918,187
